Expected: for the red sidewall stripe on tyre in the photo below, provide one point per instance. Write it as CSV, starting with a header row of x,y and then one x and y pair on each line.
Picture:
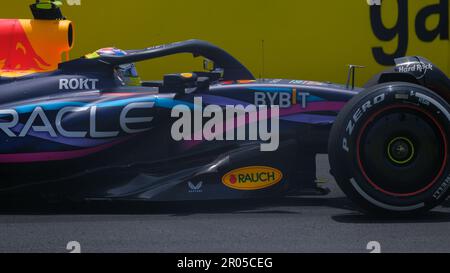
x,y
443,134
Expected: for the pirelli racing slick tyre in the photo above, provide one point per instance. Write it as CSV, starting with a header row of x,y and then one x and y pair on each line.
x,y
389,149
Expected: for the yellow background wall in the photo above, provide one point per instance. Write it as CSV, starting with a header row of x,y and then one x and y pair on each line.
x,y
304,39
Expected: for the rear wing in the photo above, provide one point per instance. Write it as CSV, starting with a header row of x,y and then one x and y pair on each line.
x,y
232,68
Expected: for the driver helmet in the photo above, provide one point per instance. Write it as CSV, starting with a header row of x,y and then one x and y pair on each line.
x,y
126,73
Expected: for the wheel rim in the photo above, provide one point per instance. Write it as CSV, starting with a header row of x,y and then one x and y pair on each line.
x,y
400,150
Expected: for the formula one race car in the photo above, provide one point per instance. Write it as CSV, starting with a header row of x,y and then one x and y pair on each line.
x,y
90,129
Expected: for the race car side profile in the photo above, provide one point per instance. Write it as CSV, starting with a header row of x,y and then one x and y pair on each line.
x,y
91,129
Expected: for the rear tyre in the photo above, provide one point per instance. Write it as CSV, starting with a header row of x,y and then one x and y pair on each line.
x,y
389,149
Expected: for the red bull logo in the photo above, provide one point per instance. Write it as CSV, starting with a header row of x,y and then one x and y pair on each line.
x,y
16,50
29,46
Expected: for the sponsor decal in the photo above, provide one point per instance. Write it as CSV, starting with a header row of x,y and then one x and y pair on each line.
x,y
357,117
195,188
252,178
78,84
282,99
302,82
157,47
39,121
418,68
442,189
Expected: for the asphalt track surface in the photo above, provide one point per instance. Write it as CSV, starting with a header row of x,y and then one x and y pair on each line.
x,y
305,224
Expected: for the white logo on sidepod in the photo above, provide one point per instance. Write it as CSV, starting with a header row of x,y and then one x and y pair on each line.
x,y
39,121
78,84
195,188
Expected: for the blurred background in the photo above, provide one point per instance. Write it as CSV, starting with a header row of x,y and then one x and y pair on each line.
x,y
299,39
